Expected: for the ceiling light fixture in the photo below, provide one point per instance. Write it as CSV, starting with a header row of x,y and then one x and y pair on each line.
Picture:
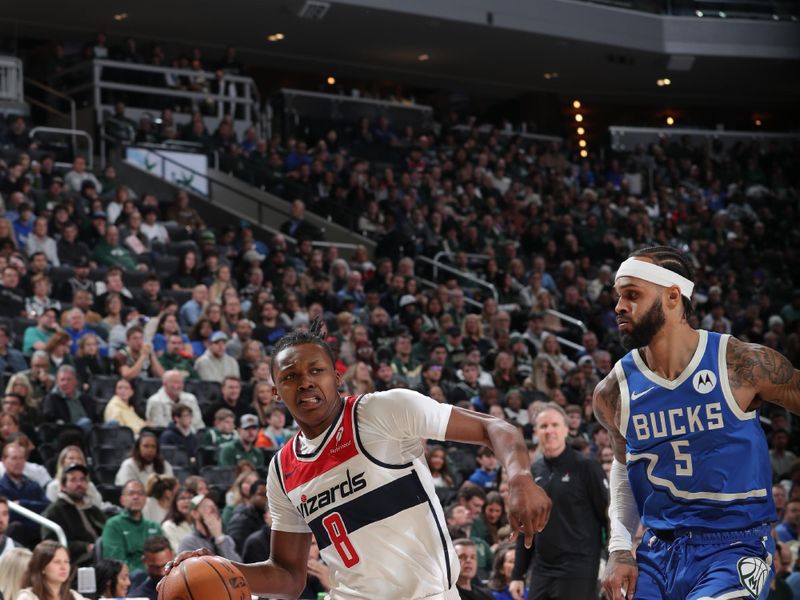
x,y
581,131
551,75
670,121
576,104
758,122
276,37
579,117
699,13
722,15
584,154
331,80
582,143
120,16
423,57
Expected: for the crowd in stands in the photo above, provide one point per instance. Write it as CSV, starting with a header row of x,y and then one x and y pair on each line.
x,y
135,337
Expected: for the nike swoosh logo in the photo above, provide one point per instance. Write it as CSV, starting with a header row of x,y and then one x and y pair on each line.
x,y
634,395
538,479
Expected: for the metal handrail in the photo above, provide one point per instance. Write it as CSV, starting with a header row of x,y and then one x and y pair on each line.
x,y
567,318
341,98
72,132
486,128
466,276
73,119
37,518
432,284
570,344
260,203
467,254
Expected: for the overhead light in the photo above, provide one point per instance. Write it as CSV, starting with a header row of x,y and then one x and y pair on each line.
x,y
722,14
423,57
776,18
663,82
120,16
331,80
581,131
576,104
699,13
670,121
579,117
551,75
584,154
582,143
667,81
758,122
276,37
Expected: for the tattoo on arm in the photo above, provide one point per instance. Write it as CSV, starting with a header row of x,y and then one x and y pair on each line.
x,y
607,408
765,372
623,557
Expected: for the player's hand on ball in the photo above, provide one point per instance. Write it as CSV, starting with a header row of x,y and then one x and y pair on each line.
x,y
528,507
621,573
179,559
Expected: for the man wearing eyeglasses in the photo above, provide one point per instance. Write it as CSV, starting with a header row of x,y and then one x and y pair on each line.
x,y
125,533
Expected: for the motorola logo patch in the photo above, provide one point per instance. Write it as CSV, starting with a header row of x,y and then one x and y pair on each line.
x,y
704,381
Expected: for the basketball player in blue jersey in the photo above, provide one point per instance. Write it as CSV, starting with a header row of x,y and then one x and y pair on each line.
x,y
356,477
691,460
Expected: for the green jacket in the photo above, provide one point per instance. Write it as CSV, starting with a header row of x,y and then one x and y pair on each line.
x,y
117,256
178,363
230,453
123,538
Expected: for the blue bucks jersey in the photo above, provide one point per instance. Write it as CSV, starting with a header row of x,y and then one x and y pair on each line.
x,y
695,459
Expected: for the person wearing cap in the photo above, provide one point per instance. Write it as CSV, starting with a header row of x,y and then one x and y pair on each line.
x,y
421,350
73,510
207,531
523,361
230,453
80,279
215,364
23,226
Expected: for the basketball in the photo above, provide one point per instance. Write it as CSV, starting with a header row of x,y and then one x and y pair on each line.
x,y
205,578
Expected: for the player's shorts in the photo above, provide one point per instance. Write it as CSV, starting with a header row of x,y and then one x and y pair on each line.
x,y
704,565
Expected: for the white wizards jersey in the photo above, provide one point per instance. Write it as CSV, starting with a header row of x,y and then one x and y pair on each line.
x,y
366,494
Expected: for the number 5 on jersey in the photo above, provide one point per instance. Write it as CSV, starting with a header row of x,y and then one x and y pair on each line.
x,y
334,525
684,469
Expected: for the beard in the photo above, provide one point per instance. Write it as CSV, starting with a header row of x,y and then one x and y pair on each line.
x,y
640,334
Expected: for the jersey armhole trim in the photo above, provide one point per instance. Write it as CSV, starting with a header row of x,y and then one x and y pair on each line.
x,y
725,385
624,399
277,462
361,444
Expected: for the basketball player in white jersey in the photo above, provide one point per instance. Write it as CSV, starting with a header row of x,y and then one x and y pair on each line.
x,y
691,459
356,477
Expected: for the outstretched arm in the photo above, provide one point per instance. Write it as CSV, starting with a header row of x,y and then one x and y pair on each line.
x,y
528,504
621,570
757,373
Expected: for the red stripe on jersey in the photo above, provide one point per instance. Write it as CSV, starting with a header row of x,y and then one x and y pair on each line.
x,y
339,448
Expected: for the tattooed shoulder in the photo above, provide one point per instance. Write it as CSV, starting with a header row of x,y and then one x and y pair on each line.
x,y
751,366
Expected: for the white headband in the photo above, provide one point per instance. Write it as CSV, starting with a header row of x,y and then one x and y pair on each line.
x,y
655,274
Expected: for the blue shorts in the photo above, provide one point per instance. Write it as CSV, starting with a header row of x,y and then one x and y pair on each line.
x,y
703,565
